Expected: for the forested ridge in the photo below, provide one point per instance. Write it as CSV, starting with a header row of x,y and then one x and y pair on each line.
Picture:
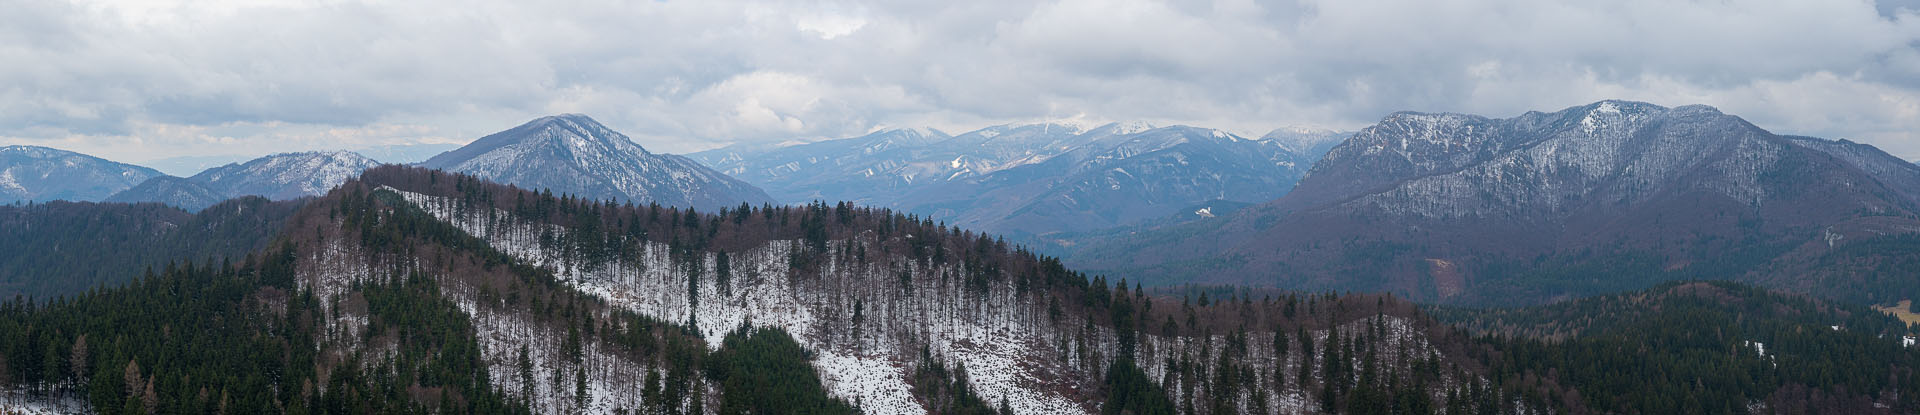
x,y
1872,270
1209,355
65,248
397,293
1705,347
248,337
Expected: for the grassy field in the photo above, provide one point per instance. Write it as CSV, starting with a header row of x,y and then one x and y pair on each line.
x,y
1899,311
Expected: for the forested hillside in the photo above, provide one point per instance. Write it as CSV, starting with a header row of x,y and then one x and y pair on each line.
x,y
564,305
65,248
871,293
276,333
410,290
1706,347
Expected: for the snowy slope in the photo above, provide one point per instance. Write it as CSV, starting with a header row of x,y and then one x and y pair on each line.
x,y
278,176
1004,335
287,175
44,174
1448,206
574,154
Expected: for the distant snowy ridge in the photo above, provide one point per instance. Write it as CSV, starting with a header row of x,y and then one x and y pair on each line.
x,y
1446,205
573,154
1033,178
278,176
32,173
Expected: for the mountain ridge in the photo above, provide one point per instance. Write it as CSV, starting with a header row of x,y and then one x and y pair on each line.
x,y
572,153
1030,179
278,176
45,174
1437,206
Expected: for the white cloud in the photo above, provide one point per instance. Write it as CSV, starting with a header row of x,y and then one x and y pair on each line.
x,y
141,80
829,24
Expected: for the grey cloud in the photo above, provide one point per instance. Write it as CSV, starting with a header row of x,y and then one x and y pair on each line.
x,y
682,75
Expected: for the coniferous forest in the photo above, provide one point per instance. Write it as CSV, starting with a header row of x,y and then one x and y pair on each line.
x,y
433,317
89,245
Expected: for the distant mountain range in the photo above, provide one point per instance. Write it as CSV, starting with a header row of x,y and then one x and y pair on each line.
x,y
1033,179
576,155
410,289
1451,208
570,154
1023,180
1602,197
405,153
30,173
280,177
863,169
184,166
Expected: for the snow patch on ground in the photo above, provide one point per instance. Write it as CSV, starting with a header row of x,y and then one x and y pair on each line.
x,y
1010,348
994,332
14,401
876,383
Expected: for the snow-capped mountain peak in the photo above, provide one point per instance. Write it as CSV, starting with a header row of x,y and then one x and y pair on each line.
x,y
1131,127
572,153
1614,114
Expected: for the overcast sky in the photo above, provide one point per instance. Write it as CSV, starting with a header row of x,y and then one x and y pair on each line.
x,y
134,81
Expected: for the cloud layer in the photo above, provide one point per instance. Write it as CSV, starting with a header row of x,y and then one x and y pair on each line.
x,y
161,79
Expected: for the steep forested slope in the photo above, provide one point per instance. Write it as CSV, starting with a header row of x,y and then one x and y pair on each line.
x,y
561,305
64,248
240,339
409,290
869,292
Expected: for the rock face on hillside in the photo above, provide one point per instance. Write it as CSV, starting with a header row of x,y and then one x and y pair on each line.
x,y
1601,197
44,174
574,154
